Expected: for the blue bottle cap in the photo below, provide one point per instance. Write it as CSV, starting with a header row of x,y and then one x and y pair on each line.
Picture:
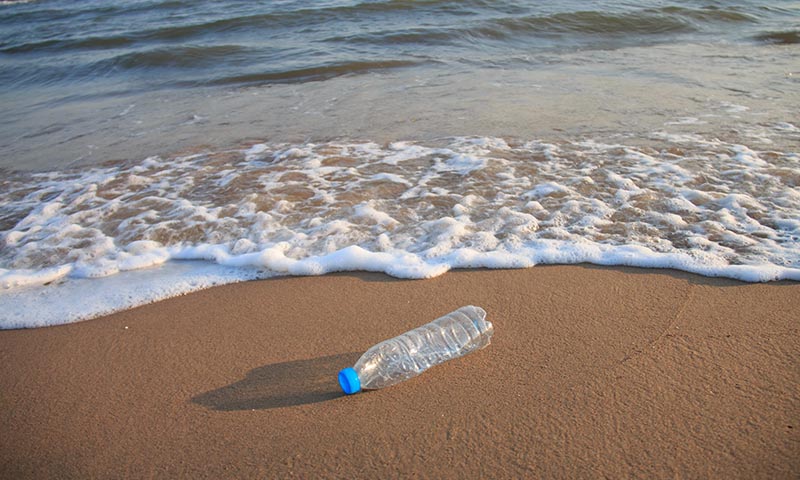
x,y
348,379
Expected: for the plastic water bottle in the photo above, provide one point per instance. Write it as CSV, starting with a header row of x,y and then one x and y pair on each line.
x,y
400,358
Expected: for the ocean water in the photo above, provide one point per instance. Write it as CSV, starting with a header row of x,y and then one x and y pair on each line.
x,y
155,147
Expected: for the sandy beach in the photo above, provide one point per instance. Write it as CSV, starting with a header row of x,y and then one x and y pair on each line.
x,y
244,197
593,372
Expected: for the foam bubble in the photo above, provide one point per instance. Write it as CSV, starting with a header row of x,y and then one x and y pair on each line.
x,y
410,210
26,277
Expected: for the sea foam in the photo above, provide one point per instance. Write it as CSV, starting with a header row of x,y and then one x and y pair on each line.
x,y
78,244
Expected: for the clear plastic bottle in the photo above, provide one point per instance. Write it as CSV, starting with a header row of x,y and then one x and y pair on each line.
x,y
400,358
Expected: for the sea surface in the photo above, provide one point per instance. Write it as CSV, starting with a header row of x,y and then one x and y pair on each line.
x,y
149,148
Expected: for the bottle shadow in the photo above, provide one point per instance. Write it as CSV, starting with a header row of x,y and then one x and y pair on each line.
x,y
284,384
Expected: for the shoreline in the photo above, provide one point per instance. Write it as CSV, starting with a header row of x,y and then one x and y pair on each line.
x,y
592,371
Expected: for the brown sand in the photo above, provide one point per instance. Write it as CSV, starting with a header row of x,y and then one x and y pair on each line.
x,y
592,372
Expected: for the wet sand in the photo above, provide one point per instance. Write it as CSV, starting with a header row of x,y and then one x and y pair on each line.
x,y
592,372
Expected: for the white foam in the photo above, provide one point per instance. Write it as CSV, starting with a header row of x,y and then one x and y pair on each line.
x,y
135,234
391,177
76,299
368,211
787,127
26,277
547,189
687,121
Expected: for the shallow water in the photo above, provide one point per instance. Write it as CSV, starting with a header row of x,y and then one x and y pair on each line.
x,y
404,137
